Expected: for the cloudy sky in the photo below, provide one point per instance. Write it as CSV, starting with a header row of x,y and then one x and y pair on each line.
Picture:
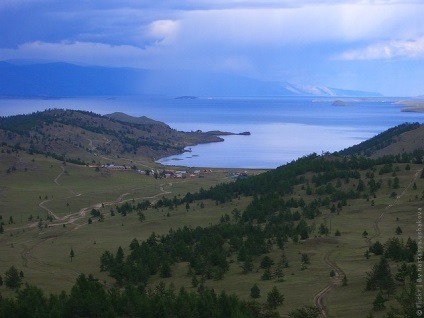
x,y
373,45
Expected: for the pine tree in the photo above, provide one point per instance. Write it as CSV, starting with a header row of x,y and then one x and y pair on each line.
x,y
305,312
377,248
278,272
402,273
267,262
71,254
407,299
266,275
380,277
247,265
379,301
323,229
255,292
165,270
12,278
274,298
106,261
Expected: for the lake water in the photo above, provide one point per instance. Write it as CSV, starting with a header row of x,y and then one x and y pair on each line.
x,y
282,129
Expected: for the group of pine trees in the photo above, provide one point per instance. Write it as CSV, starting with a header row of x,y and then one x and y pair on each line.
x,y
89,298
396,249
381,278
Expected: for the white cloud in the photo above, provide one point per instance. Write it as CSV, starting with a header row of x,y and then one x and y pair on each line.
x,y
387,50
165,31
306,24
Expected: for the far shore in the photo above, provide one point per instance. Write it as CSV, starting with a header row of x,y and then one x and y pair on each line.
x,y
411,106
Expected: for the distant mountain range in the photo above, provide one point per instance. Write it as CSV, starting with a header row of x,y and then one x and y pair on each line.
x,y
63,79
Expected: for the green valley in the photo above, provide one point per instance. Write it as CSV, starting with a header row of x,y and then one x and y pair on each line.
x,y
85,210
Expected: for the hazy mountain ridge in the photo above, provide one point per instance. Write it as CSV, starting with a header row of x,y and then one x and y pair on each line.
x,y
327,91
64,79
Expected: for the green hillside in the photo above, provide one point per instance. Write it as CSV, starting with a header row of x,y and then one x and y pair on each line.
x,y
332,235
378,144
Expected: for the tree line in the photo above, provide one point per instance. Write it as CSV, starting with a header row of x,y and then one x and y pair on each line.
x,y
89,298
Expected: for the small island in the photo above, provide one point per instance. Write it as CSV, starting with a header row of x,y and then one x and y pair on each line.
x,y
339,102
226,133
186,97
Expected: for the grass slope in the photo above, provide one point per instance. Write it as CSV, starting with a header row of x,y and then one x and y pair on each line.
x,y
42,249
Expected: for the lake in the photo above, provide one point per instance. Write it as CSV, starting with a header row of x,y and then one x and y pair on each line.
x,y
282,129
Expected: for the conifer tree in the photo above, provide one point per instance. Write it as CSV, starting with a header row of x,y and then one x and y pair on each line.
x,y
305,312
267,274
380,277
274,298
12,278
378,303
255,292
71,254
278,272
247,265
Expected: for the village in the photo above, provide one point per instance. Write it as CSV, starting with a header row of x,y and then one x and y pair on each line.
x,y
169,173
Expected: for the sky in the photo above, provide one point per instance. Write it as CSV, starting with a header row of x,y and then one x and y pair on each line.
x,y
369,45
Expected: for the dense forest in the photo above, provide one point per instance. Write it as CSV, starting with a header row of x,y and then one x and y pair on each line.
x,y
89,298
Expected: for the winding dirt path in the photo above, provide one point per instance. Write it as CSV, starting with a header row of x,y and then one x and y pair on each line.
x,y
30,261
337,280
377,231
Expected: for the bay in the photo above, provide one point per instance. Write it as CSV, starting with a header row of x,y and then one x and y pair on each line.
x,y
282,129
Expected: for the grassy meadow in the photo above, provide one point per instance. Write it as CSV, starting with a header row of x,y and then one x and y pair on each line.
x,y
41,248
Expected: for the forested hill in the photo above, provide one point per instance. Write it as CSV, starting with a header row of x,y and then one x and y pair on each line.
x,y
80,136
400,144
406,137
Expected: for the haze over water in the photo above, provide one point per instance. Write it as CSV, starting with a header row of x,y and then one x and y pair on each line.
x,y
282,129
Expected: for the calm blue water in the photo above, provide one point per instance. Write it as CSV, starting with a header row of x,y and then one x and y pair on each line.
x,y
282,129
